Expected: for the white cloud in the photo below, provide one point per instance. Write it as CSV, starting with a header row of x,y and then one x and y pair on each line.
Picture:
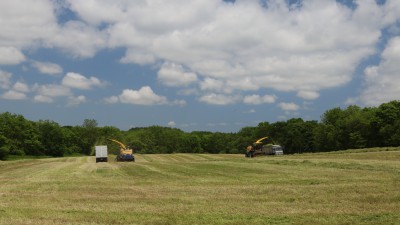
x,y
43,99
20,87
382,82
188,91
218,99
78,39
143,96
47,67
26,23
17,92
273,48
225,47
173,75
5,79
52,90
289,106
14,95
172,124
78,81
308,95
48,93
391,12
76,100
11,56
211,84
138,56
257,99
111,100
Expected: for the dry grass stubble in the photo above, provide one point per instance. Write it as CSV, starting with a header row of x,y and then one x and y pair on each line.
x,y
343,188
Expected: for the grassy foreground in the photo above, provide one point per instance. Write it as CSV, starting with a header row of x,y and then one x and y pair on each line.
x,y
349,187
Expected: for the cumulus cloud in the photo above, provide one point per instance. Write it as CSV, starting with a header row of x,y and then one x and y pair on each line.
x,y
219,99
5,79
78,81
78,39
18,91
171,124
111,100
21,87
14,95
382,82
11,56
257,99
224,48
308,95
274,47
43,99
26,24
289,106
173,75
52,90
143,96
76,100
211,84
47,67
138,56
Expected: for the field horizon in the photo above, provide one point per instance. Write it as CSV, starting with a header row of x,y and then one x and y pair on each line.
x,y
346,187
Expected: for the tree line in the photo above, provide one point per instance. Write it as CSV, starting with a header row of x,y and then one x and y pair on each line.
x,y
338,129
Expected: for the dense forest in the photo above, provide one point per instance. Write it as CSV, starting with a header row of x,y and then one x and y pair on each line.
x,y
338,129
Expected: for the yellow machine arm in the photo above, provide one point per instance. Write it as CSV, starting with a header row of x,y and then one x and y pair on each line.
x,y
259,141
125,153
121,144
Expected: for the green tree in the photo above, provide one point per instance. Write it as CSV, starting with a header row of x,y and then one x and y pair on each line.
x,y
192,143
325,138
72,140
22,137
52,138
4,148
387,118
88,134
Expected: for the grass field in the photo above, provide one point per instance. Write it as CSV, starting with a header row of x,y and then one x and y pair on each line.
x,y
348,187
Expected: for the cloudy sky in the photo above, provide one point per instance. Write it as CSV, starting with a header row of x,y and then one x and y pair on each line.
x,y
195,65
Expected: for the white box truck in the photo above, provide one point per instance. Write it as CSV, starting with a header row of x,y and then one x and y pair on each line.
x,y
101,153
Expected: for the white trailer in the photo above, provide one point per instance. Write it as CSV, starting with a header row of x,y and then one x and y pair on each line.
x,y
101,153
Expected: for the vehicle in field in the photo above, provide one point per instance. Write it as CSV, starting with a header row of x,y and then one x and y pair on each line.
x,y
125,153
101,153
258,148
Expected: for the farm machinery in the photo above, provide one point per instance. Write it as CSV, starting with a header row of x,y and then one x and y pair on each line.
x,y
125,153
258,148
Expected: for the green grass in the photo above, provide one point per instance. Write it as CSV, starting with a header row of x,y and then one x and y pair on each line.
x,y
347,187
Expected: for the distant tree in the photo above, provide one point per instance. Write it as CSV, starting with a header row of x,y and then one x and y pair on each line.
x,y
262,129
72,140
52,138
88,134
325,138
387,119
4,148
192,143
22,137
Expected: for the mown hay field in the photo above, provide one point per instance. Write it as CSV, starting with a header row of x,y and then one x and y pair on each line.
x,y
349,187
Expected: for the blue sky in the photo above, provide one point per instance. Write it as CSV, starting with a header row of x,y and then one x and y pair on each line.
x,y
195,65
